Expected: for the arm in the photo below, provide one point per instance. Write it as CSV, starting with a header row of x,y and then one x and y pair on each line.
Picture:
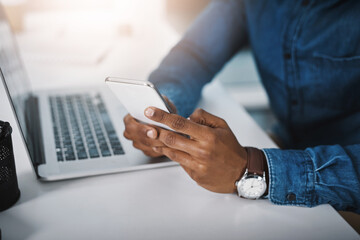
x,y
215,160
217,34
323,174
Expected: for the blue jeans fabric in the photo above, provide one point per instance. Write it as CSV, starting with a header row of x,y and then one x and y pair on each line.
x,y
308,56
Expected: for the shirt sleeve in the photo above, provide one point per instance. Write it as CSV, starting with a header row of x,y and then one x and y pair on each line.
x,y
319,175
215,36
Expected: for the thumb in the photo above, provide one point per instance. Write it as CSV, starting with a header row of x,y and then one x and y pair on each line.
x,y
202,117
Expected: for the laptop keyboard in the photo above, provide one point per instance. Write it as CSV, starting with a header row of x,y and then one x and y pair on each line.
x,y
83,128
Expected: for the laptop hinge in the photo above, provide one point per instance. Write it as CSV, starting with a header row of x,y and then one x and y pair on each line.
x,y
34,134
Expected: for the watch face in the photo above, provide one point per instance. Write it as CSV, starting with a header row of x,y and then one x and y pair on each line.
x,y
252,187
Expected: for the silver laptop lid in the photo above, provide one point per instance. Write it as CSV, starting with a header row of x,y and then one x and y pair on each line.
x,y
17,85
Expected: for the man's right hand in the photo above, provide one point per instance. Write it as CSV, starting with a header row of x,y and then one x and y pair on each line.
x,y
144,136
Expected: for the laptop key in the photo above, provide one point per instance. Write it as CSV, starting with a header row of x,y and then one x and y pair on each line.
x,y
118,151
59,157
105,153
82,155
70,157
93,153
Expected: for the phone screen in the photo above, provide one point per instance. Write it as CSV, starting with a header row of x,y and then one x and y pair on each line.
x,y
136,96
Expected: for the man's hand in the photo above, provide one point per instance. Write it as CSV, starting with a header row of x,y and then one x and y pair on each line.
x,y
211,156
144,136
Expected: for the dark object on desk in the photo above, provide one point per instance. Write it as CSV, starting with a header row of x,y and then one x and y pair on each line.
x,y
9,190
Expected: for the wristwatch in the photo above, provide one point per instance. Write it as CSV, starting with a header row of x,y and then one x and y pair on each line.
x,y
253,184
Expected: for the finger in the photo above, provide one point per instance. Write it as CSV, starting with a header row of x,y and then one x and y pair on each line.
x,y
145,140
148,151
153,154
189,171
127,118
179,142
178,156
202,117
175,122
138,131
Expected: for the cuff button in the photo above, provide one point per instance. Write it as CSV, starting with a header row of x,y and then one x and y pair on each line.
x,y
291,197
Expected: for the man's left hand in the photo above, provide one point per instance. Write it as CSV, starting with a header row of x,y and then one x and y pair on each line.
x,y
211,156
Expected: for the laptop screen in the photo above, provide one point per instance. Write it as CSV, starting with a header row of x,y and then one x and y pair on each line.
x,y
14,76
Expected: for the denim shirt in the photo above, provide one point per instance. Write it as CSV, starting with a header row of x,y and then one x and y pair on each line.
x,y
308,56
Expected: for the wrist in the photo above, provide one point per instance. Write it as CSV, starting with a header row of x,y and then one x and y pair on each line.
x,y
266,168
254,183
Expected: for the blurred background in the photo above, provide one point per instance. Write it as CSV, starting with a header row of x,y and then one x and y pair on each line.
x,y
62,39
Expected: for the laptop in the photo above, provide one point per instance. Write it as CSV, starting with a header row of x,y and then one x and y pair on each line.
x,y
69,133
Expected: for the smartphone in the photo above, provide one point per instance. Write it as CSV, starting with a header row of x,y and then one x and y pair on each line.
x,y
136,96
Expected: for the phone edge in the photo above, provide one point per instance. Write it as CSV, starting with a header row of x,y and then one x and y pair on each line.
x,y
141,83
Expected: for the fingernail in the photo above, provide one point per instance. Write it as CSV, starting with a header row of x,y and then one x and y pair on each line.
x,y
150,134
149,112
156,149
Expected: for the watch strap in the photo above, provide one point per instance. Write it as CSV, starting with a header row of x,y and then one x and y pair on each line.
x,y
255,161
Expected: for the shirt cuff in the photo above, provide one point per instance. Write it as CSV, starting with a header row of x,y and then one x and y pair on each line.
x,y
291,177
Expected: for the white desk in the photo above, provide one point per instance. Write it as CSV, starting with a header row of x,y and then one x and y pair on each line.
x,y
160,203
153,204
